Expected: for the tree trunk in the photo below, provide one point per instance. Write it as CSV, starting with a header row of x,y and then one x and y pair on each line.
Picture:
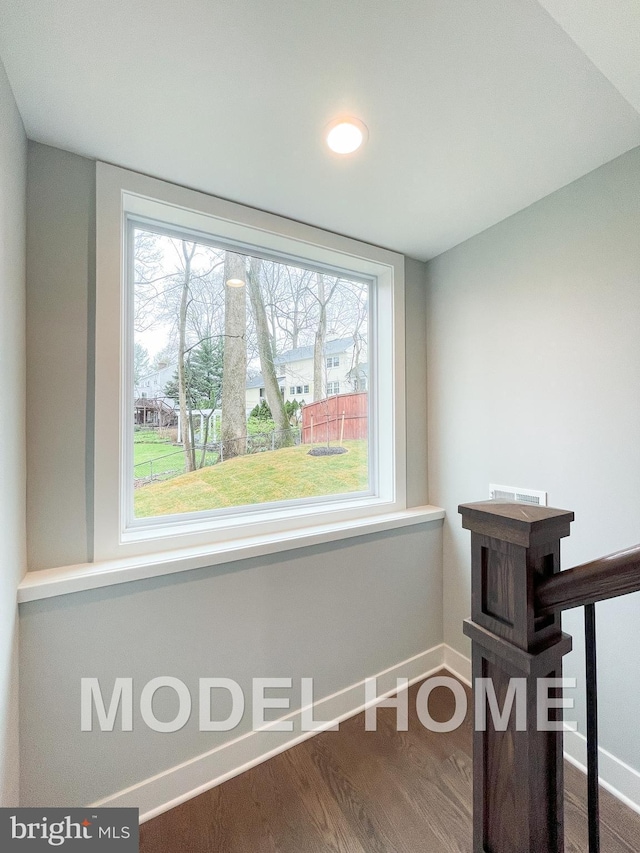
x,y
274,317
185,414
233,428
319,390
193,438
204,438
267,364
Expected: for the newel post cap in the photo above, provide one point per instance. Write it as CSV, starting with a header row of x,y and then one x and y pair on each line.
x,y
518,523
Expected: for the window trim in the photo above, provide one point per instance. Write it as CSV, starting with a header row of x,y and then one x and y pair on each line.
x,y
48,583
120,192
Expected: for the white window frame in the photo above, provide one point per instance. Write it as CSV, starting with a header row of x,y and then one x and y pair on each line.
x,y
121,193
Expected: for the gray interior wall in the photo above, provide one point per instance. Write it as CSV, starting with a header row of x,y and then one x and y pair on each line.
x,y
60,330
416,379
534,381
60,298
13,149
339,612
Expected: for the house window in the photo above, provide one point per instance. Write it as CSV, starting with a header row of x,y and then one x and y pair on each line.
x,y
292,390
189,278
205,304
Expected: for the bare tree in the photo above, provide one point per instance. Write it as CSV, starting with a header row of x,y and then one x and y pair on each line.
x,y
233,426
188,251
323,298
265,351
295,310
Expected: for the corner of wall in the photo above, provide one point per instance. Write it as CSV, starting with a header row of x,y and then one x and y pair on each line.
x,y
13,148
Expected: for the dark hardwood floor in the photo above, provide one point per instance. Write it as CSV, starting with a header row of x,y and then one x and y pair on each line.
x,y
354,791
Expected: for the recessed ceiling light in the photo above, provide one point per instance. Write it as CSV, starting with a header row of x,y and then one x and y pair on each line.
x,y
346,135
235,282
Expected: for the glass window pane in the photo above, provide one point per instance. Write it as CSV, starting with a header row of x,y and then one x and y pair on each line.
x,y
218,338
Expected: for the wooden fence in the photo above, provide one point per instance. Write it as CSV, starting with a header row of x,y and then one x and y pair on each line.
x,y
345,415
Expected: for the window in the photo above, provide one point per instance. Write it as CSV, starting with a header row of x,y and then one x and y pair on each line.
x,y
192,478
200,306
292,390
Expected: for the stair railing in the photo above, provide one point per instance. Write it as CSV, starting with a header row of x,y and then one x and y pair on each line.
x,y
518,594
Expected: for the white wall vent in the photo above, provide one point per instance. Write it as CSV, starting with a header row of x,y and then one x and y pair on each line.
x,y
511,493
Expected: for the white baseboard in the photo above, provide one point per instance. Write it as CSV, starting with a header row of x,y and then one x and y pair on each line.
x,y
178,784
615,776
457,664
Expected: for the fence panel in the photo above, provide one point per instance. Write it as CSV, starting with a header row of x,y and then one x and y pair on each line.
x,y
346,414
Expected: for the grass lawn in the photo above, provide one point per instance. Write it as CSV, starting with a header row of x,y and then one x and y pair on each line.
x,y
147,446
258,478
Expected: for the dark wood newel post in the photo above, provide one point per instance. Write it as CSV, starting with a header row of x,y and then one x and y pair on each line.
x,y
517,775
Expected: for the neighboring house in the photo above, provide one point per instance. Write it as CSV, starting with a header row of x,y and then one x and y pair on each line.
x,y
295,373
295,378
152,407
153,384
255,390
358,378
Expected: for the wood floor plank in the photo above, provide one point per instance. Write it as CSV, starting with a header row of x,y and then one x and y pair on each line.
x,y
619,826
324,811
354,791
437,788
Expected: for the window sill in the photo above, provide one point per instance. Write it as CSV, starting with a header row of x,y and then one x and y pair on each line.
x,y
49,583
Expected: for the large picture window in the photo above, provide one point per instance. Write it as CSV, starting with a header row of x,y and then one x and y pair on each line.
x,y
216,332
249,373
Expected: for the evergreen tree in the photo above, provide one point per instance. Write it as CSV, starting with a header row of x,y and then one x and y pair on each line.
x,y
261,411
203,385
141,364
171,388
203,376
205,368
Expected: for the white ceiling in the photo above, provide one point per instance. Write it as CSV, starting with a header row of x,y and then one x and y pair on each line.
x,y
608,31
475,108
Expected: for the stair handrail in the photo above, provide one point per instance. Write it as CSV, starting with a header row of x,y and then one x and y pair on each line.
x,y
607,577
